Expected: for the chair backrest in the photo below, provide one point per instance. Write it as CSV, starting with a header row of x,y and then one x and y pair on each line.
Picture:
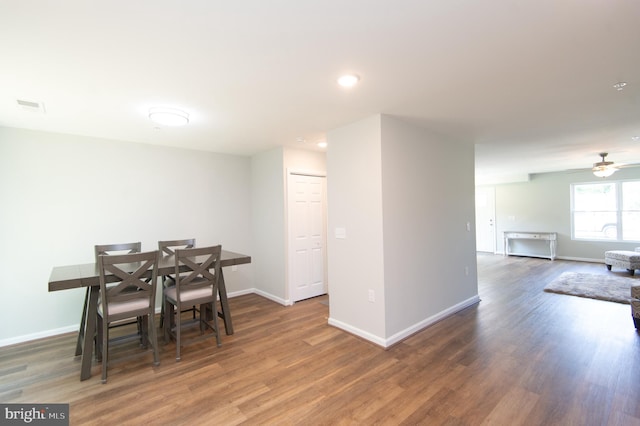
x,y
127,276
198,268
123,248
169,247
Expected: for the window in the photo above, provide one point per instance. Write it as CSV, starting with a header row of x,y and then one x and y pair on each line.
x,y
606,211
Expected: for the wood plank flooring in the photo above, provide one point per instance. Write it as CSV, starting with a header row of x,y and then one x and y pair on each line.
x,y
519,357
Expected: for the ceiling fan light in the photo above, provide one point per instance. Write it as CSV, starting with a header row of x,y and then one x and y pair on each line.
x,y
168,116
603,171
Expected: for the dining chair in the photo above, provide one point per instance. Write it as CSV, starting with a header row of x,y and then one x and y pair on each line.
x,y
168,248
198,285
121,248
129,294
104,249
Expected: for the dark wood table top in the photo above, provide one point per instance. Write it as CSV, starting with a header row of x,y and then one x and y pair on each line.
x,y
86,275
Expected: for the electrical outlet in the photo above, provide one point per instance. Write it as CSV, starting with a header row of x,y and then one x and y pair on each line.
x,y
466,270
372,296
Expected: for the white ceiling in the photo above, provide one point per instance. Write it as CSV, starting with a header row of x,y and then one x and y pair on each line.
x,y
529,82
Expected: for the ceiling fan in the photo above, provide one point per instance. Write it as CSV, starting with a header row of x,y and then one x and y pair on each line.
x,y
606,168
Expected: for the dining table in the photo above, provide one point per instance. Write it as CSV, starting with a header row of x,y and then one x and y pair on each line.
x,y
87,276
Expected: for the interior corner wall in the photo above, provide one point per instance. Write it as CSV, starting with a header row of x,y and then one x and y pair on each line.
x,y
355,241
429,234
268,224
269,218
62,194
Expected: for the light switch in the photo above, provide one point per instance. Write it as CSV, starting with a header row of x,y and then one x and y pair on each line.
x,y
341,233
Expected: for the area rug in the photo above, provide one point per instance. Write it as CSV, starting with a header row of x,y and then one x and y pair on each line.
x,y
594,286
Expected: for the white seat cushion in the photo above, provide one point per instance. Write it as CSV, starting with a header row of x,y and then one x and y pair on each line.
x,y
116,308
189,294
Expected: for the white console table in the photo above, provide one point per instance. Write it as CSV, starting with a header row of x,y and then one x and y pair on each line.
x,y
525,235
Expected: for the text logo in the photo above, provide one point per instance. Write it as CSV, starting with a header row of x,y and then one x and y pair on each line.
x,y
34,414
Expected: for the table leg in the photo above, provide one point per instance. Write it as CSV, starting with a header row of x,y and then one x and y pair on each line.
x,y
89,333
83,320
224,304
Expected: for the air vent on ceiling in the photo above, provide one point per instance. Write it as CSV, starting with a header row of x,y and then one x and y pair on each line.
x,y
31,106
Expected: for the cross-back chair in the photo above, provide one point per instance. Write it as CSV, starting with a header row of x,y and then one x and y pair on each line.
x,y
125,292
168,248
197,273
104,249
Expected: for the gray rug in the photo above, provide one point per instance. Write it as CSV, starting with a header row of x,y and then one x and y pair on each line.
x,y
594,286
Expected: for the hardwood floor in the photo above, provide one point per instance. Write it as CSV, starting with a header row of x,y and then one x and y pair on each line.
x,y
519,357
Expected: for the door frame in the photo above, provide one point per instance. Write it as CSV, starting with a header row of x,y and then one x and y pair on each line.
x,y
288,254
491,210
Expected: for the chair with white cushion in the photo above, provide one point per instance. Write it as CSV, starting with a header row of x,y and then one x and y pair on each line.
x,y
168,248
127,292
198,285
103,249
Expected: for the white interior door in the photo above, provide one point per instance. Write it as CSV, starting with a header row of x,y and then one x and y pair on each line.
x,y
486,219
307,236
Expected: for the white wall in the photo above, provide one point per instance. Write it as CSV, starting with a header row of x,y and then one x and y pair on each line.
x,y
356,263
406,225
61,194
428,199
543,204
268,225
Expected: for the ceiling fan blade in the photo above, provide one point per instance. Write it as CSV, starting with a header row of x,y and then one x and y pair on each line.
x,y
624,166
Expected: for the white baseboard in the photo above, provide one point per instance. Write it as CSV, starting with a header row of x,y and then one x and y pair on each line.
x,y
380,341
74,327
432,320
575,259
270,296
581,259
401,335
385,343
38,335
240,293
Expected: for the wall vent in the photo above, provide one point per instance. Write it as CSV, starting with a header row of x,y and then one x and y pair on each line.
x,y
31,106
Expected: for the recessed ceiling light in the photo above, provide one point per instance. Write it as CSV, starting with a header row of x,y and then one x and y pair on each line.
x,y
348,80
322,144
620,85
168,116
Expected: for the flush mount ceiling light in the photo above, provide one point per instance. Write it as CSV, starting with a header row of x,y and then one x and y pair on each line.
x,y
348,80
168,116
603,168
635,138
620,85
322,144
